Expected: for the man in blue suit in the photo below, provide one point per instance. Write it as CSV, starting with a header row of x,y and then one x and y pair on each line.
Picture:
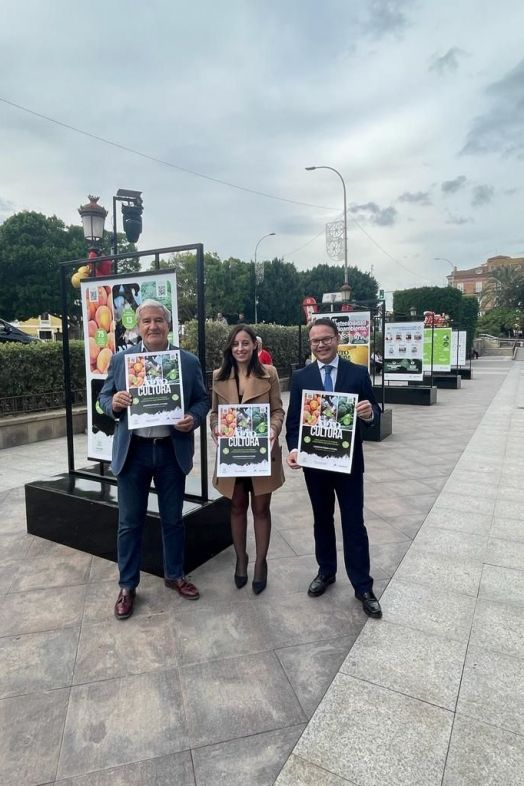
x,y
331,372
162,453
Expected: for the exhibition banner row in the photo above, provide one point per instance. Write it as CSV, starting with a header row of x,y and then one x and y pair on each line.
x,y
411,349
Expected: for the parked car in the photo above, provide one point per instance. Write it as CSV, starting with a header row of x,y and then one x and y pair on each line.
x,y
9,333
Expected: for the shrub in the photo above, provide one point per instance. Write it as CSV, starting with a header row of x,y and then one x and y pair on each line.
x,y
39,368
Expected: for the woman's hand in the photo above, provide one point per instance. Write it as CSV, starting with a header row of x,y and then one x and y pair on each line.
x,y
215,434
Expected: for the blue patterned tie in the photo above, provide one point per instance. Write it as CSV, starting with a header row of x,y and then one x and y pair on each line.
x,y
328,380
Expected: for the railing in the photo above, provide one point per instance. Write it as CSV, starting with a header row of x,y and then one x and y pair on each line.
x,y
39,402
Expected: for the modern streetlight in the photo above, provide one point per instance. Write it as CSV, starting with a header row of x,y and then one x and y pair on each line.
x,y
270,234
345,288
132,209
453,267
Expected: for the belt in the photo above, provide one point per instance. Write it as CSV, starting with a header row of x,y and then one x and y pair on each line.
x,y
152,440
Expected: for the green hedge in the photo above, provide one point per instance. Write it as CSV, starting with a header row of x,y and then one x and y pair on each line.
x,y
39,368
281,341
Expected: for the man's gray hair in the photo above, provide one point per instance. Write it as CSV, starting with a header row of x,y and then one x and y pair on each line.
x,y
150,303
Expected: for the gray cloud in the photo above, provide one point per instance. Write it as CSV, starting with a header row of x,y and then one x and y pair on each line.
x,y
482,195
6,207
452,186
501,128
381,216
386,16
416,198
448,63
458,220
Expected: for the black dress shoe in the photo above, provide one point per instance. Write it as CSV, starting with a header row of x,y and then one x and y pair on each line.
x,y
241,580
369,603
320,584
259,585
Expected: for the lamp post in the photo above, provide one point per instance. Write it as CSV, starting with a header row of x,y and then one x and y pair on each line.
x,y
93,218
270,234
345,288
132,209
453,267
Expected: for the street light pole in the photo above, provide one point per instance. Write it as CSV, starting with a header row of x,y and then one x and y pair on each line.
x,y
444,259
346,289
270,234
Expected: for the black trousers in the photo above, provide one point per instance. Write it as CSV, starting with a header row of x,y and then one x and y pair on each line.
x,y
322,487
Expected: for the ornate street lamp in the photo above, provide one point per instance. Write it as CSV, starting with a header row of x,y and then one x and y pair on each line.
x,y
93,218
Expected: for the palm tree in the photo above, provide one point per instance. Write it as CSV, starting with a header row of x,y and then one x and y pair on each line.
x,y
504,288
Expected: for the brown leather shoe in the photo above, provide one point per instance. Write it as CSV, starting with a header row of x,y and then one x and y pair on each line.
x,y
124,603
183,587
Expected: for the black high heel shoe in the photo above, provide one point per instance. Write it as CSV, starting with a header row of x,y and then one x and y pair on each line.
x,y
259,585
241,581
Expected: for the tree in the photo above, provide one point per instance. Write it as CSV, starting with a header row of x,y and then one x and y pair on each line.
x,y
329,278
498,321
279,293
505,288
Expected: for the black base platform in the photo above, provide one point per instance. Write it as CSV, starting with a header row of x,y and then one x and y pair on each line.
x,y
380,429
421,395
83,513
466,372
444,380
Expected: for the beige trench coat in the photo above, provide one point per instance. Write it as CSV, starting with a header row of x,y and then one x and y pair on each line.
x,y
258,390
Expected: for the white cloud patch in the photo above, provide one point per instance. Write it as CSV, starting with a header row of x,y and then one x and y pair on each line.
x,y
447,63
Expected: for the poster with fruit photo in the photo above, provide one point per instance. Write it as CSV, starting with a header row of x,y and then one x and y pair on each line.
x,y
154,381
110,325
327,430
243,448
354,331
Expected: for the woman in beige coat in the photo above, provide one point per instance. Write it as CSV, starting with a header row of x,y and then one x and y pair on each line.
x,y
243,379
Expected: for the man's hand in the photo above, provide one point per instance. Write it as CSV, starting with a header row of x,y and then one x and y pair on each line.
x,y
121,400
364,410
292,460
185,424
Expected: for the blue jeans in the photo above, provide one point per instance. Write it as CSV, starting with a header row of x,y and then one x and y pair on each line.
x,y
148,460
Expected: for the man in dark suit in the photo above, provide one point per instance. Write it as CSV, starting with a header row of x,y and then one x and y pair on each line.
x,y
331,372
162,453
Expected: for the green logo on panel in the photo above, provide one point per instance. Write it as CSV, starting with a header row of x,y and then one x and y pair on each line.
x,y
100,337
128,318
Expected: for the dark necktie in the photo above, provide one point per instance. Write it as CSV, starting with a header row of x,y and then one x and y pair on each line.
x,y
328,380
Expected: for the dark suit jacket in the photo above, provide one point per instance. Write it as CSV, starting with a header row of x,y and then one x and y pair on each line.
x,y
351,378
196,403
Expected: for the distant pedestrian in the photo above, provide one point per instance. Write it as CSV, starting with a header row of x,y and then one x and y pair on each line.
x,y
263,355
242,319
221,318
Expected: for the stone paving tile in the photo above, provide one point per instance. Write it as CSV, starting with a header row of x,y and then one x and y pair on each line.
x,y
299,772
151,598
311,668
14,546
353,713
440,571
505,553
30,735
502,584
448,542
508,509
173,770
459,521
499,627
436,611
121,721
401,506
116,648
103,570
237,697
410,661
300,539
508,529
39,610
53,570
254,760
37,662
409,525
482,754
492,689
466,504
385,558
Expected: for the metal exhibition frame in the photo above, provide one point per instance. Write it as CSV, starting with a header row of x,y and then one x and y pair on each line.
x,y
65,287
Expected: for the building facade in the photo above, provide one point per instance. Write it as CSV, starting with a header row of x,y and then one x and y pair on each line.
x,y
474,280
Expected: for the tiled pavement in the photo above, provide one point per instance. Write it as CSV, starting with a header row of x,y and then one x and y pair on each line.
x,y
227,690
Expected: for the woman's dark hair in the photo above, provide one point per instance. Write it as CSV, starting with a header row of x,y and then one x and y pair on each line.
x,y
229,362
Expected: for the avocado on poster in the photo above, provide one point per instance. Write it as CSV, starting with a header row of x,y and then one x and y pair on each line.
x,y
154,381
327,430
243,448
441,349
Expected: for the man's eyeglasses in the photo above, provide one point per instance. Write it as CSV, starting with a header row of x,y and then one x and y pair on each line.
x,y
317,342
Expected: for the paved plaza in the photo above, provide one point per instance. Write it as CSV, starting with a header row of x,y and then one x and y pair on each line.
x,y
238,689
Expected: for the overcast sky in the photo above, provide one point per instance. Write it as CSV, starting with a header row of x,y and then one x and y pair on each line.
x,y
419,105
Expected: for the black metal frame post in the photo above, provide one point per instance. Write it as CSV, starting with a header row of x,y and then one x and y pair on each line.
x,y
432,348
156,253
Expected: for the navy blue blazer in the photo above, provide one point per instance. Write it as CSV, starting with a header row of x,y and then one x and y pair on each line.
x,y
351,378
196,403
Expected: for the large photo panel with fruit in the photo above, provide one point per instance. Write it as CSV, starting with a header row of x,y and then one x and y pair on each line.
x,y
154,381
327,430
109,307
243,448
354,328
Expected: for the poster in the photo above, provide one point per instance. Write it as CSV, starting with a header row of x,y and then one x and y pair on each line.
x,y
354,330
110,325
441,349
154,381
327,430
404,351
243,448
458,348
